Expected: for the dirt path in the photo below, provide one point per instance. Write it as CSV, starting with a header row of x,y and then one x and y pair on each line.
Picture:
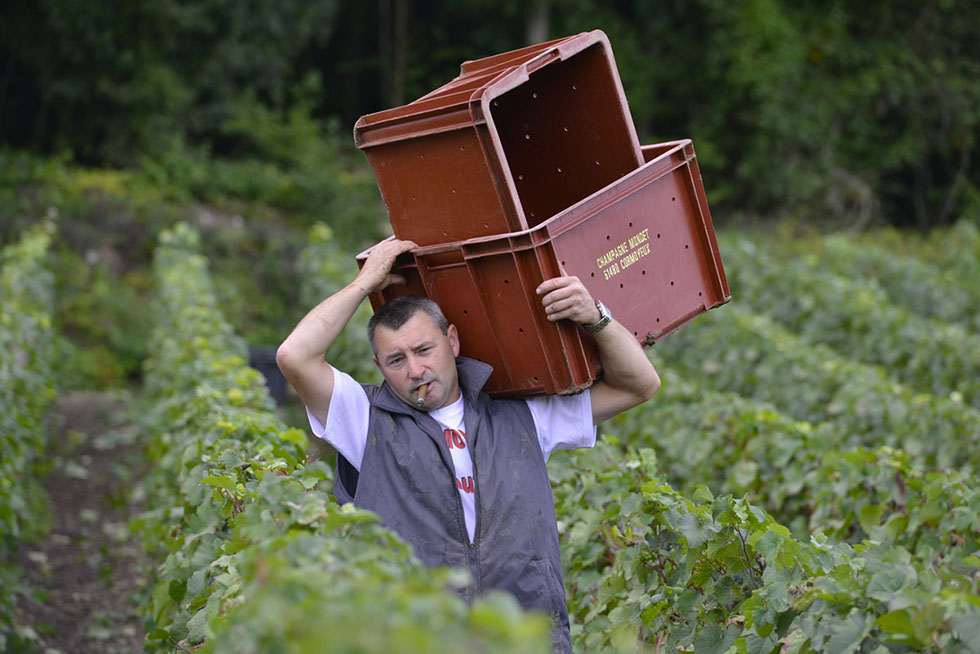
x,y
86,572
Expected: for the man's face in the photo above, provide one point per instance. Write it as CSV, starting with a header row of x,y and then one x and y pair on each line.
x,y
418,359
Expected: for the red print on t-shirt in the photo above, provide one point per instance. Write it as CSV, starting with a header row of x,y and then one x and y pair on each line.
x,y
465,484
455,438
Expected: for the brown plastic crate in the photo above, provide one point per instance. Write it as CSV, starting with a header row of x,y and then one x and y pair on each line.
x,y
644,245
515,139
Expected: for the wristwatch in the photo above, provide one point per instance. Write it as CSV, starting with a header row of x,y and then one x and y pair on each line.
x,y
604,318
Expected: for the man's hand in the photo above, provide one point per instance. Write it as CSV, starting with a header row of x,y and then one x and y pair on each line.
x,y
567,297
301,355
376,274
628,377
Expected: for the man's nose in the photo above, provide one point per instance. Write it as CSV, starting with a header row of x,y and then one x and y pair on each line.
x,y
416,370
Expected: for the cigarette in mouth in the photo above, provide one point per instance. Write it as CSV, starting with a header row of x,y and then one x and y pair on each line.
x,y
421,400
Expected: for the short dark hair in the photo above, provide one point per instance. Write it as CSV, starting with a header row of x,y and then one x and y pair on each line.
x,y
398,311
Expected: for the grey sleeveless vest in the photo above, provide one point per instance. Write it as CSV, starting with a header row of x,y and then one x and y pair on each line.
x,y
407,477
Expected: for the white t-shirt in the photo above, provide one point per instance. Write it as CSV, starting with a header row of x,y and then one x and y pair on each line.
x,y
563,422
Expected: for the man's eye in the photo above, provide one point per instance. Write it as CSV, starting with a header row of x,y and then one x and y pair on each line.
x,y
395,362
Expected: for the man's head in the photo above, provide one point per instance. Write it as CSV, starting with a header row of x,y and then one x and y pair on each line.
x,y
415,348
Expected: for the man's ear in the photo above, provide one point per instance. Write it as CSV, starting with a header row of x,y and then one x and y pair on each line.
x,y
453,339
376,362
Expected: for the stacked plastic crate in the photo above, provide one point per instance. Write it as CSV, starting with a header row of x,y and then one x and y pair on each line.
x,y
527,165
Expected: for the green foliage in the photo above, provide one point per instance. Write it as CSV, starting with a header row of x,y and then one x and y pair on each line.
x,y
862,324
256,550
745,353
27,376
910,282
648,565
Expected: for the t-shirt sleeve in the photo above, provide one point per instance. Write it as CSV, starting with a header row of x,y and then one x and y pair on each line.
x,y
347,418
564,422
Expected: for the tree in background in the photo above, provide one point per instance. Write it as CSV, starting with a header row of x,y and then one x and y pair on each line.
x,y
836,110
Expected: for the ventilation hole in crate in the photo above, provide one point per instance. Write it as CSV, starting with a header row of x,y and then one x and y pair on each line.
x,y
559,168
597,162
565,129
414,198
486,225
687,247
532,214
421,155
563,263
527,137
574,88
520,329
534,95
658,235
496,103
643,272
466,312
635,333
507,281
672,283
593,274
454,189
535,379
621,286
462,147
700,293
607,237
673,199
658,319
520,177
445,232
631,224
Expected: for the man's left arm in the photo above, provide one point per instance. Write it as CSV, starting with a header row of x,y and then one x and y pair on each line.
x,y
629,377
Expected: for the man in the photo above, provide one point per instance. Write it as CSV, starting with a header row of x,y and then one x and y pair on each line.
x,y
459,475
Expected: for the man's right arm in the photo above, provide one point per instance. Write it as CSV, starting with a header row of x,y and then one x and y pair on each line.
x,y
301,355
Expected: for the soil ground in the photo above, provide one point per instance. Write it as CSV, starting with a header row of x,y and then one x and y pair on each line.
x,y
86,574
